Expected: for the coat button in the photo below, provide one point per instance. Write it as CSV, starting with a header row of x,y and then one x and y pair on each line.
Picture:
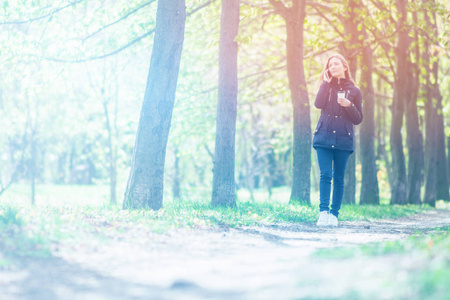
x,y
332,146
349,133
334,131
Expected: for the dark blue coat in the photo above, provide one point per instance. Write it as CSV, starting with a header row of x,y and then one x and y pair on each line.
x,y
335,127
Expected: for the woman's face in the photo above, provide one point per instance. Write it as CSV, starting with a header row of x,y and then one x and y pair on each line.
x,y
336,68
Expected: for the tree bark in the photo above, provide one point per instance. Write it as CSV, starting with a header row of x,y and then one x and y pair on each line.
x,y
369,182
381,149
33,167
224,186
111,156
414,134
430,150
430,127
146,180
350,180
294,17
442,182
349,49
448,157
176,185
399,189
436,180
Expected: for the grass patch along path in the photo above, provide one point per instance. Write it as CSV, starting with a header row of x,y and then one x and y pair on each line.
x,y
190,251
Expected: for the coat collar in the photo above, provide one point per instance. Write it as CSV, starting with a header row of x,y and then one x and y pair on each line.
x,y
341,82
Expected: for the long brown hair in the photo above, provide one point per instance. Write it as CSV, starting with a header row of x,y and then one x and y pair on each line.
x,y
344,63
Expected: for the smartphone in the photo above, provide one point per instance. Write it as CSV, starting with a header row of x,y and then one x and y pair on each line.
x,y
341,94
329,74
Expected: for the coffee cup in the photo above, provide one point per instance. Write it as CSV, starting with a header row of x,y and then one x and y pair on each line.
x,y
341,94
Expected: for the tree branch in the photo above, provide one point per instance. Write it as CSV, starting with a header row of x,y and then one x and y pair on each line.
x,y
120,19
381,7
279,8
384,46
41,17
125,46
199,7
255,5
317,5
329,22
104,55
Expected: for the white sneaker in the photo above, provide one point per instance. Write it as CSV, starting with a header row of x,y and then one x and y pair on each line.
x,y
323,218
332,220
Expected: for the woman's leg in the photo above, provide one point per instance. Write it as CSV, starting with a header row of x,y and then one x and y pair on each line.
x,y
325,158
340,159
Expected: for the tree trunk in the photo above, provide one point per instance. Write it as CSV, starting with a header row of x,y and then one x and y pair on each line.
x,y
436,181
350,180
176,185
349,49
381,149
224,186
448,157
430,150
33,168
414,134
301,185
294,17
398,189
430,127
146,181
442,182
111,156
275,174
369,182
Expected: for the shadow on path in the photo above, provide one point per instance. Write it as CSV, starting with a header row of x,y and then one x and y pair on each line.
x,y
55,278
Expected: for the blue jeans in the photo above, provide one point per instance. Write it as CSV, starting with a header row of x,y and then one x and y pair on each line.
x,y
332,164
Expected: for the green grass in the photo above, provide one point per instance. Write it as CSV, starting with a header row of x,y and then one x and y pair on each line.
x,y
65,214
68,212
18,239
437,237
190,212
373,212
91,202
429,253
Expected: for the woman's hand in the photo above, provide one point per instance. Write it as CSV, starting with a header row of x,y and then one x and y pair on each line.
x,y
344,102
327,76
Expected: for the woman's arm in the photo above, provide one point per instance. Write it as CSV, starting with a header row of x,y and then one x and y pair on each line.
x,y
322,95
354,111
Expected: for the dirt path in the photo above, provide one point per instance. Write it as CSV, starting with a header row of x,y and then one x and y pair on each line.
x,y
264,262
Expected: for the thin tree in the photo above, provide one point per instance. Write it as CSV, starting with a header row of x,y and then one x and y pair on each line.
x,y
414,134
146,180
436,180
294,17
369,180
349,47
224,186
398,189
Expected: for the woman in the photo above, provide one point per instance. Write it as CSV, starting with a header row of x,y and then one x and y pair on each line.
x,y
341,104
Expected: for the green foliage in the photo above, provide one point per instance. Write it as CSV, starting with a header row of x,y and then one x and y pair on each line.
x,y
16,239
9,218
66,213
62,104
371,212
179,214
